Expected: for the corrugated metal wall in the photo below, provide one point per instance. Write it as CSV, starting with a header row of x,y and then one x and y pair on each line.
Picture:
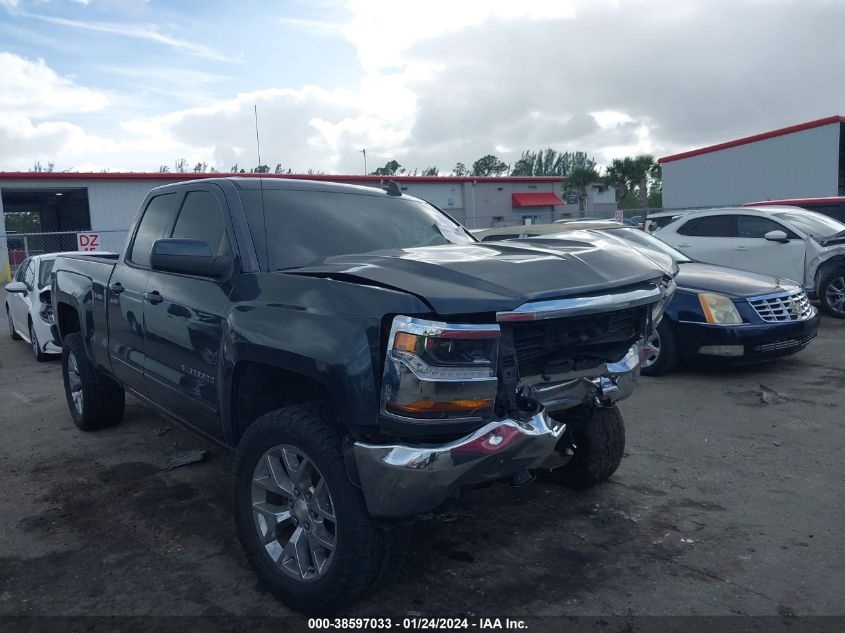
x,y
797,165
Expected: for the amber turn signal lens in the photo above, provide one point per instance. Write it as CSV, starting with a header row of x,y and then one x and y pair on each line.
x,y
432,406
405,342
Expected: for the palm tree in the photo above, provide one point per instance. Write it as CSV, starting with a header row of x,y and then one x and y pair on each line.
x,y
578,180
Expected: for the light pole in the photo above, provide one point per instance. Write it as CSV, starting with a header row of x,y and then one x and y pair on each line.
x,y
364,152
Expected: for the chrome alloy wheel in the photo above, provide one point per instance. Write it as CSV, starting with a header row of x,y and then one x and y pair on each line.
x,y
652,348
293,513
74,381
835,294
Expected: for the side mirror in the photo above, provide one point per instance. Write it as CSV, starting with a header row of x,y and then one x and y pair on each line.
x,y
776,236
17,287
188,257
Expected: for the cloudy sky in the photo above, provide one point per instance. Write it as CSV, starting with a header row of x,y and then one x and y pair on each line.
x,y
133,84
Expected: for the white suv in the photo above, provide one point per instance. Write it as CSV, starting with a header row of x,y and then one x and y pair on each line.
x,y
786,242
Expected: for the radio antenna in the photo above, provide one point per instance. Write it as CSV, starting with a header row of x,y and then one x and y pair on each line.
x,y
261,185
257,139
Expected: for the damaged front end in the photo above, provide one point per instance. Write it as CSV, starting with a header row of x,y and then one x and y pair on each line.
x,y
511,382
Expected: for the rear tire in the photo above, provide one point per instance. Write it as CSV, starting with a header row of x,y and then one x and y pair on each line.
x,y
831,292
666,347
15,336
598,434
95,400
40,356
268,482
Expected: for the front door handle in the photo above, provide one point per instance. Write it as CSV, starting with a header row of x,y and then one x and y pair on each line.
x,y
684,245
740,248
153,297
116,288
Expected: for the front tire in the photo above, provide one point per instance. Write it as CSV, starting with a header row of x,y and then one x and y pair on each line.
x,y
831,292
40,356
303,525
663,348
598,437
15,336
95,400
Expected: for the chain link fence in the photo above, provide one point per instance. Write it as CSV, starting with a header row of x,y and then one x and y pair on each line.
x,y
19,246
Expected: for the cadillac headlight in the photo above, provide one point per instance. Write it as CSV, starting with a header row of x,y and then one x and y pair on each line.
x,y
440,371
719,309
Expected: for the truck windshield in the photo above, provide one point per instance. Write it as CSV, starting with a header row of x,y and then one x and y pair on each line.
x,y
304,227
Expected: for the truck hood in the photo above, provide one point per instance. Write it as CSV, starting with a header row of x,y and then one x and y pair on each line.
x,y
494,276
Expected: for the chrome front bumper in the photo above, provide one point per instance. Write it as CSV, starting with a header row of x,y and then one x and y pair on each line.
x,y
401,481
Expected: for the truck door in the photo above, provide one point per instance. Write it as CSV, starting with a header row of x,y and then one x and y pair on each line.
x,y
184,317
127,286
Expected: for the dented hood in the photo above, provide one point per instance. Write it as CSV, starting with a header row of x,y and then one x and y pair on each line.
x,y
493,276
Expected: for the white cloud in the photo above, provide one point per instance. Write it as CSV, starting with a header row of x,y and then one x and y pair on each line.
x,y
33,89
449,81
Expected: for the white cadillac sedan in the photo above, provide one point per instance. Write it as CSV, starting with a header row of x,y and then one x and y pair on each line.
x,y
28,306
785,242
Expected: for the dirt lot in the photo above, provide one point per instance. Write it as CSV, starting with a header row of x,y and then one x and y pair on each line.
x,y
723,505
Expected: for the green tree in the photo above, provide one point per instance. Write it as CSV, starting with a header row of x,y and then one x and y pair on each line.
x,y
181,165
550,162
460,170
579,180
431,171
233,169
488,165
278,169
163,169
391,168
200,168
260,169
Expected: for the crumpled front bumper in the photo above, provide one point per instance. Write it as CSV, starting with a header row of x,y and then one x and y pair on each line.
x,y
399,480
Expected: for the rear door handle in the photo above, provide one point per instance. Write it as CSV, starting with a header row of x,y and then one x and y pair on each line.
x,y
684,245
116,288
153,297
740,248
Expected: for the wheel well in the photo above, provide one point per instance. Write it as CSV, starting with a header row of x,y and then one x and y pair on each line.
x,y
260,388
67,320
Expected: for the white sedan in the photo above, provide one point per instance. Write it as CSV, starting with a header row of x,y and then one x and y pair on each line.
x,y
785,242
28,306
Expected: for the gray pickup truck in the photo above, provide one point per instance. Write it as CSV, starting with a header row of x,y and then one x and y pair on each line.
x,y
365,357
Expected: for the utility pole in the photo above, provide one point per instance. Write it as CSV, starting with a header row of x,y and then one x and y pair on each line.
x,y
364,152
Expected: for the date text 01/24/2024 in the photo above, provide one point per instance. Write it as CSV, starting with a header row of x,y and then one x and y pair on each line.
x,y
417,623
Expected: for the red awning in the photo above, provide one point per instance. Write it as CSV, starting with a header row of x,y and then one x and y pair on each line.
x,y
535,199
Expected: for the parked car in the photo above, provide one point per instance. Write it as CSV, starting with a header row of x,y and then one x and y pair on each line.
x,y
786,242
363,355
832,206
659,219
29,310
717,314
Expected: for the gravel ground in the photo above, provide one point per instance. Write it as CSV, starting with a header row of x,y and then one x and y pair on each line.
x,y
723,505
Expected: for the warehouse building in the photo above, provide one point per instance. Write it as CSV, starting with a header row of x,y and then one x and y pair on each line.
x,y
48,212
801,161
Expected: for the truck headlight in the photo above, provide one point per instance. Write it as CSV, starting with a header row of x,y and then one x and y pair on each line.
x,y
719,309
436,371
667,290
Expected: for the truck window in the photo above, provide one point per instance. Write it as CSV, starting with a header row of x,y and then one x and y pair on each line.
x,y
154,224
308,226
201,218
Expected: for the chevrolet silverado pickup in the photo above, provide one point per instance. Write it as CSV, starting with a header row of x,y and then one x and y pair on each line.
x,y
363,354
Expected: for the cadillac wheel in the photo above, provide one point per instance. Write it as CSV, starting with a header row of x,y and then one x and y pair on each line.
x,y
661,350
303,525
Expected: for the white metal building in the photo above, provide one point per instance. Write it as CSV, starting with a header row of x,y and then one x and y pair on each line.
x,y
44,212
801,161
